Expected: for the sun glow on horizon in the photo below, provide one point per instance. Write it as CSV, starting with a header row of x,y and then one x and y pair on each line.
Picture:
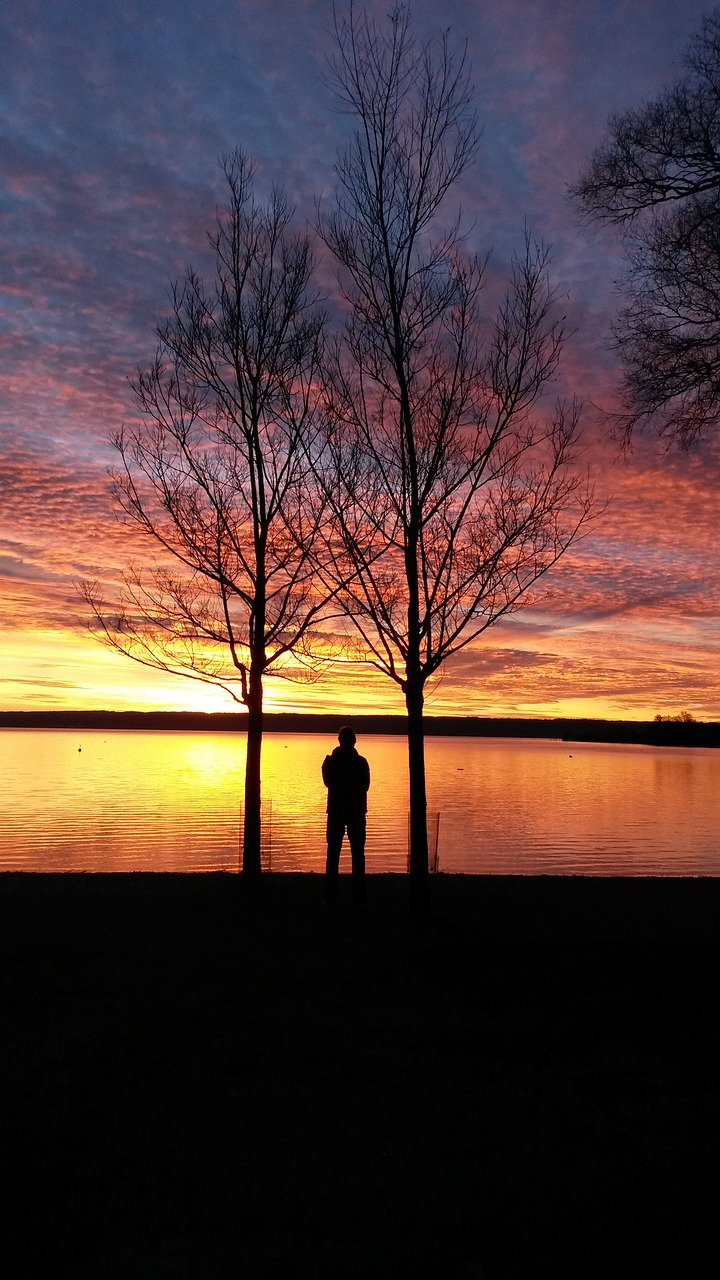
x,y
64,670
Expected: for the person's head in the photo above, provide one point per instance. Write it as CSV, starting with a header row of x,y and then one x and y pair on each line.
x,y
346,736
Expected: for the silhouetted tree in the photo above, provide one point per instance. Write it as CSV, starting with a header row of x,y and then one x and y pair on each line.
x,y
216,472
451,497
657,175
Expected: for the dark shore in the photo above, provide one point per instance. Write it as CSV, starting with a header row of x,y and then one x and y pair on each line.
x,y
653,733
201,1081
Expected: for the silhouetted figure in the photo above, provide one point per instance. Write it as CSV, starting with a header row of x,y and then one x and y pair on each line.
x,y
346,775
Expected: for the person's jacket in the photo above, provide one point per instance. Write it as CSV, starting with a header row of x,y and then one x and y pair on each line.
x,y
346,775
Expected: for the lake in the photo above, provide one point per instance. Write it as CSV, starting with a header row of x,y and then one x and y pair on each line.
x,y
92,800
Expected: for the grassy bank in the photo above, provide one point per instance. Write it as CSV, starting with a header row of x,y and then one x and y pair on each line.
x,y
199,1081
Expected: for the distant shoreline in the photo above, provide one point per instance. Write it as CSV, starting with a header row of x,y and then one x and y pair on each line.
x,y
640,732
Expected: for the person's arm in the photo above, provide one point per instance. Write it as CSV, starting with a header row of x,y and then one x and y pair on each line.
x,y
327,771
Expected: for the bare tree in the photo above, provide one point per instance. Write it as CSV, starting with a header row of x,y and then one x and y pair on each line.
x,y
451,496
657,176
216,472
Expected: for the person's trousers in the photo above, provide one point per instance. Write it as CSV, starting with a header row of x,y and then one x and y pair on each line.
x,y
337,825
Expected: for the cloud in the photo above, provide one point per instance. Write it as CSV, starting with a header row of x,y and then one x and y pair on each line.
x,y
113,121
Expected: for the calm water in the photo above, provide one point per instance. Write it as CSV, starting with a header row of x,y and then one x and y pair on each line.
x,y
170,802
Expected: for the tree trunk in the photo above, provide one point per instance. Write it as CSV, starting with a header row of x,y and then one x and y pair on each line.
x,y
251,865
419,880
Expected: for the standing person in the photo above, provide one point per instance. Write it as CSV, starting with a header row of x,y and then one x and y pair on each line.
x,y
346,775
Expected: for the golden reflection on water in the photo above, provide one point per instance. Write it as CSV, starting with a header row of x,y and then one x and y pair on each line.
x,y
99,801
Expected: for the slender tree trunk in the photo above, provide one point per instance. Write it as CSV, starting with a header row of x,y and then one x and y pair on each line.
x,y
414,700
251,824
419,881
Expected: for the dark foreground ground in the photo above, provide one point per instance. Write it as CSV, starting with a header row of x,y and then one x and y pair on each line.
x,y
198,1081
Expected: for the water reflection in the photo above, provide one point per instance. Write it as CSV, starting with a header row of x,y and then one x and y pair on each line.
x,y
171,801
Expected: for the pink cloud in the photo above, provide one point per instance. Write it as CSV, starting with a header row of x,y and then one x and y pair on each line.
x,y
115,119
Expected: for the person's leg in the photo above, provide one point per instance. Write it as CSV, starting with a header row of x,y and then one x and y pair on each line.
x,y
335,832
356,835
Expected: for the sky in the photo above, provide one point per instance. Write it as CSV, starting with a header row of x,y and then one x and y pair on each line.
x,y
113,120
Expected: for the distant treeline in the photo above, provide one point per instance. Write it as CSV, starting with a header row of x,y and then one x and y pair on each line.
x,y
651,732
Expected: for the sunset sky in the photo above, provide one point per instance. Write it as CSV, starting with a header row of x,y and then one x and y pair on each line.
x,y
113,119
